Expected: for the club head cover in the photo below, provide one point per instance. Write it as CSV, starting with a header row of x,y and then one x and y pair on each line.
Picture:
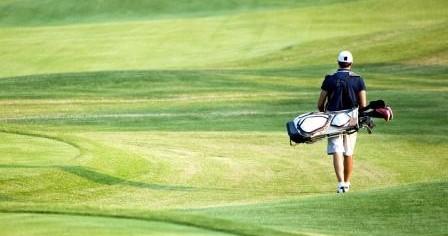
x,y
385,113
373,105
377,104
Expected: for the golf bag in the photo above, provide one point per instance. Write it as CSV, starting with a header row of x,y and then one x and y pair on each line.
x,y
313,126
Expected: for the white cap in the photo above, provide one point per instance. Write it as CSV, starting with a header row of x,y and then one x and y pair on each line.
x,y
345,56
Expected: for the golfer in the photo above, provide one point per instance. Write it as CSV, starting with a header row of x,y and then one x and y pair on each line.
x,y
340,91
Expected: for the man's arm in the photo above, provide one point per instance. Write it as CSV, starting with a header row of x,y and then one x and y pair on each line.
x,y
322,99
362,98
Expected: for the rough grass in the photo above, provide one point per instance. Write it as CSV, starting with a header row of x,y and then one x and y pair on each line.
x,y
160,117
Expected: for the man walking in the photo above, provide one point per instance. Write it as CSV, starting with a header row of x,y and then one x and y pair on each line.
x,y
340,91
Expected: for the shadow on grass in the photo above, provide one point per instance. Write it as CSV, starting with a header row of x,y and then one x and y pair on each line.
x,y
105,179
101,178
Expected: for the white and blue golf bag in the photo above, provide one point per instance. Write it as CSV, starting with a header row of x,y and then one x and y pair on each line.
x,y
313,126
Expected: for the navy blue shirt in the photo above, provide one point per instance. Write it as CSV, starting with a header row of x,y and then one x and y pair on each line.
x,y
342,90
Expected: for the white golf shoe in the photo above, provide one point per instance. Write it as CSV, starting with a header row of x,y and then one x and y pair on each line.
x,y
343,187
347,187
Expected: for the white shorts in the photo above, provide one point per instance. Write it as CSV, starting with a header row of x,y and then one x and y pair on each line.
x,y
344,143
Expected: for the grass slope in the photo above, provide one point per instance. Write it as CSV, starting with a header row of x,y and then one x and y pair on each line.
x,y
160,117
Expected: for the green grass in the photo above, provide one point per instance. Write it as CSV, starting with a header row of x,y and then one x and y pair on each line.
x,y
44,224
51,12
167,117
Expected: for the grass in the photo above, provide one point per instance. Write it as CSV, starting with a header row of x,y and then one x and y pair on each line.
x,y
51,12
408,208
167,118
38,224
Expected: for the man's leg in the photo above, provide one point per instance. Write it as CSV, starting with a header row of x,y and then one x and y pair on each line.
x,y
349,146
348,168
338,163
336,148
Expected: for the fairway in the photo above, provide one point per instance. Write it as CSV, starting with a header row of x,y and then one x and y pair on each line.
x,y
168,117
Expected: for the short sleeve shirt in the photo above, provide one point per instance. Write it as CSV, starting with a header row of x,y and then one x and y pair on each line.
x,y
342,89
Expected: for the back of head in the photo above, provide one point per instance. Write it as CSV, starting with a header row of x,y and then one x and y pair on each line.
x,y
345,59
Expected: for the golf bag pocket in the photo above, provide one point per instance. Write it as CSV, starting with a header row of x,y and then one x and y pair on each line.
x,y
313,126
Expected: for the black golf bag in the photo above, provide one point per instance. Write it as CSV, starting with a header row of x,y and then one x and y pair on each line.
x,y
313,126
